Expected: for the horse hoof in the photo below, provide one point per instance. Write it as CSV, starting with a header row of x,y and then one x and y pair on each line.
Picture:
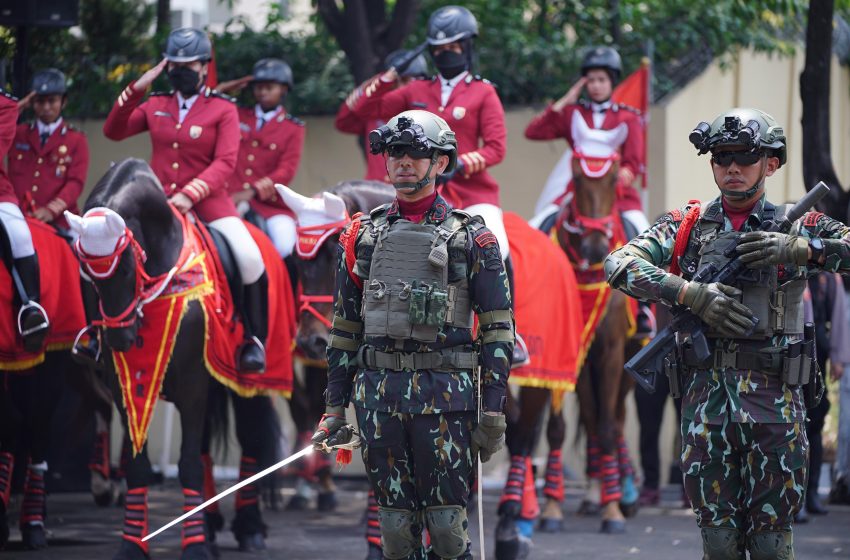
x,y
629,510
212,547
251,543
613,527
197,551
326,501
588,508
551,525
375,553
34,537
129,551
4,527
297,503
516,549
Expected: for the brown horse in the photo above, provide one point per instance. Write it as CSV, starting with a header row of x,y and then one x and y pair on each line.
x,y
588,228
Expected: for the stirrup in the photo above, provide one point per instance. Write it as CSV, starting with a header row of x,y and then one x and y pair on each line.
x,y
44,325
248,342
520,356
81,353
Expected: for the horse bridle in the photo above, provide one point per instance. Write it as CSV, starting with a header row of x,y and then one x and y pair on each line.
x,y
317,235
574,223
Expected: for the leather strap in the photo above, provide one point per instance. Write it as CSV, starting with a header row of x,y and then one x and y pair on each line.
x,y
446,360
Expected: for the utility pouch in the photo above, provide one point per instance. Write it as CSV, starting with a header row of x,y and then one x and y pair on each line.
x,y
438,307
796,366
673,371
418,310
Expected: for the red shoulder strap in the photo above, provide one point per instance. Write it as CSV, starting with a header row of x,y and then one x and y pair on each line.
x,y
347,239
683,235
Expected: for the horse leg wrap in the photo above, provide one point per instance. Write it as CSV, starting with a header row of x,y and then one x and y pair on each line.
x,y
530,506
7,464
373,526
626,466
554,486
136,517
611,491
512,492
448,527
401,532
193,527
594,457
722,543
99,461
771,545
247,495
33,506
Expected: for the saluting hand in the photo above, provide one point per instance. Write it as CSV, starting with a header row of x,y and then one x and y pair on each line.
x,y
571,96
181,202
234,85
26,101
148,77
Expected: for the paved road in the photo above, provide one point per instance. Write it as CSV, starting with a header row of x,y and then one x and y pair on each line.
x,y
80,530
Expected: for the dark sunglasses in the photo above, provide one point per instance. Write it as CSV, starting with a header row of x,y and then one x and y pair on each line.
x,y
400,150
725,159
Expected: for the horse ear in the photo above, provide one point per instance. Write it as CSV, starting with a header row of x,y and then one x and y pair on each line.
x,y
334,205
295,201
114,223
75,222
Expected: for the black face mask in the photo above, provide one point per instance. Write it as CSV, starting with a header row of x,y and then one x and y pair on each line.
x,y
449,63
184,80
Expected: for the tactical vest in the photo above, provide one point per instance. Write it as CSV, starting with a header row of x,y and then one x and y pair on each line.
x,y
408,295
779,308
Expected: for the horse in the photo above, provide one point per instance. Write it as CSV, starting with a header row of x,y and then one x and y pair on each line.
x,y
587,227
156,286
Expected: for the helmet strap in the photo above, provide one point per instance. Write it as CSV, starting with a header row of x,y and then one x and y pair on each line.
x,y
424,181
750,192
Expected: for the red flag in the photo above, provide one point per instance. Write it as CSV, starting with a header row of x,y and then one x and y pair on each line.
x,y
212,74
634,92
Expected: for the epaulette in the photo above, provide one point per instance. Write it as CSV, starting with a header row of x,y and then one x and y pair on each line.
x,y
628,108
294,120
475,77
215,93
5,93
161,93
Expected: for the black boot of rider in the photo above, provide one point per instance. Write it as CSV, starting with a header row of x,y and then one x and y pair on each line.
x,y
252,356
32,320
520,356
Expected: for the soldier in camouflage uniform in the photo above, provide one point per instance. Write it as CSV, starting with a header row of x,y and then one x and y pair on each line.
x,y
744,443
411,275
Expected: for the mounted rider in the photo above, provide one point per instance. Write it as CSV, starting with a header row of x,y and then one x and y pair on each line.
x,y
411,275
269,151
195,138
745,448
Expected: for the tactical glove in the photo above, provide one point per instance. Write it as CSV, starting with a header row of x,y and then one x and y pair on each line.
x,y
717,305
332,421
759,249
489,436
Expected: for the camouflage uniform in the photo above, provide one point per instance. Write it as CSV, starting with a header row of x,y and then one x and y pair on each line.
x,y
416,423
744,445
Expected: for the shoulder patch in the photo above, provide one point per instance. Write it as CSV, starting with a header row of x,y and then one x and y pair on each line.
x,y
811,219
294,120
161,93
485,239
675,215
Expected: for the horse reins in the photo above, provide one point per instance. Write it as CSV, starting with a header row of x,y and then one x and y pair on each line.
x,y
310,240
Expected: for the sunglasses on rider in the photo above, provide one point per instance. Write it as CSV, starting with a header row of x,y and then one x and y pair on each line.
x,y
415,152
725,159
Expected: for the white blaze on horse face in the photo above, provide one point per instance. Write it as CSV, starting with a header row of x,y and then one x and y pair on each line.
x,y
596,148
312,212
100,230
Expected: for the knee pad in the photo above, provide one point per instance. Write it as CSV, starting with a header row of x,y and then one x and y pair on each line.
x,y
401,532
722,543
447,526
771,545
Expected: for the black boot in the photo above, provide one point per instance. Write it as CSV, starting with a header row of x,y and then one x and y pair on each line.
x,y
520,356
252,355
32,319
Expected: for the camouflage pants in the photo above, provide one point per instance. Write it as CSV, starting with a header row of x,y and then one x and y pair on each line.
x,y
418,460
750,477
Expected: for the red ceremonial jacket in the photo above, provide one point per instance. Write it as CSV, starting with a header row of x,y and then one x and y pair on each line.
x,y
551,124
350,123
473,112
8,121
195,157
274,151
50,176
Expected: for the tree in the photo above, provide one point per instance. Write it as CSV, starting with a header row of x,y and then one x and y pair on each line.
x,y
163,17
365,32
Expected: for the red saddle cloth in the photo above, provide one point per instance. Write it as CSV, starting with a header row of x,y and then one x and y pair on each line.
x,y
200,277
60,297
547,308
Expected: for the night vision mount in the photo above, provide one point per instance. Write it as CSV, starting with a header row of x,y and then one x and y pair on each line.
x,y
732,133
406,133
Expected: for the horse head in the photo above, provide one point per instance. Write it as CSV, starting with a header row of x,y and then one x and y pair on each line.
x,y
128,239
320,220
588,215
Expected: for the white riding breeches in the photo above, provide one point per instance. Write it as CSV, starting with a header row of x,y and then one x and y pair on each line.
x,y
245,250
638,219
492,215
283,233
16,226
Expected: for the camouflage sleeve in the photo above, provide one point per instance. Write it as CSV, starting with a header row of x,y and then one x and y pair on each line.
x,y
346,332
491,302
836,242
635,268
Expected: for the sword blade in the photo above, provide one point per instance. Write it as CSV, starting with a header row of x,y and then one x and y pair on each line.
x,y
232,489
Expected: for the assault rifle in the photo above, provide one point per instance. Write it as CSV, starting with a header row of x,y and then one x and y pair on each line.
x,y
658,356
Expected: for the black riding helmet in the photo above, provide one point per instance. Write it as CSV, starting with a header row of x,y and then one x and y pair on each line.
x,y
450,24
188,44
605,58
417,69
49,82
273,70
